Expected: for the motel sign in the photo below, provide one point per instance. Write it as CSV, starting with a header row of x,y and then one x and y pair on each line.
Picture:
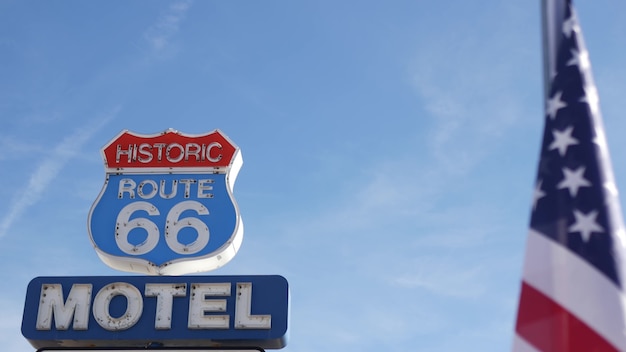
x,y
133,311
166,209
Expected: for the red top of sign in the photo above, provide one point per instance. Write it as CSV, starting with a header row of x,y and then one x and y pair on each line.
x,y
169,149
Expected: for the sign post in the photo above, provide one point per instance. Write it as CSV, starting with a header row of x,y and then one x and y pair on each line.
x,y
153,349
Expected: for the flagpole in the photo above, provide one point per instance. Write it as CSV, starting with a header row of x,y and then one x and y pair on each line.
x,y
551,22
545,47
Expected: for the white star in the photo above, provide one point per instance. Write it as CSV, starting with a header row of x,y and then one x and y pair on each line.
x,y
570,25
574,179
620,234
585,224
611,188
562,140
537,194
554,104
600,141
592,98
581,59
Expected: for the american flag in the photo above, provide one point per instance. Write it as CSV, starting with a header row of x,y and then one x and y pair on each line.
x,y
572,296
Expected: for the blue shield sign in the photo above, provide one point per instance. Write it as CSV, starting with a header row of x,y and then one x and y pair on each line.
x,y
166,207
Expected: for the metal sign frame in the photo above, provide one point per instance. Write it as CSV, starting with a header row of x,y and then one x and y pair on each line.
x,y
167,206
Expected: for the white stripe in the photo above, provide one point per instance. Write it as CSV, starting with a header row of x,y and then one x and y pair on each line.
x,y
520,345
577,286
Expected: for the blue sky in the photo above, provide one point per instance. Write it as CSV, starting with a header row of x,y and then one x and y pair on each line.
x,y
389,149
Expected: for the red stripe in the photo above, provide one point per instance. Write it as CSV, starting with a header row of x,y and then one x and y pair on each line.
x,y
550,328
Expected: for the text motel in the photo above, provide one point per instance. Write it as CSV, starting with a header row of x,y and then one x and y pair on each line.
x,y
207,306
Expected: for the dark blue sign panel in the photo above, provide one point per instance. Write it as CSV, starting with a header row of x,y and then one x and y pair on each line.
x,y
135,311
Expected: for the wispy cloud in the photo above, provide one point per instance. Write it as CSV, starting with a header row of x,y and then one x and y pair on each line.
x,y
446,279
17,148
158,36
473,96
167,25
47,171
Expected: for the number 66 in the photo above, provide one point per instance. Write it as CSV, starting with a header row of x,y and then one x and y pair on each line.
x,y
173,225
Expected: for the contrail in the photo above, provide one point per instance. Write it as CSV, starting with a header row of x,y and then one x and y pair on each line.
x,y
49,169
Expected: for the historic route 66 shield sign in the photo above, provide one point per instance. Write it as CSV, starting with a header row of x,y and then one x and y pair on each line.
x,y
167,206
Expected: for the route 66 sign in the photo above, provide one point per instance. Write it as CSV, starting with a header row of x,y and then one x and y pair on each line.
x,y
166,207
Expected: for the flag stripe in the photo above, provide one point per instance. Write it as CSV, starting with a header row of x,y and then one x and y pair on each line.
x,y
546,325
559,275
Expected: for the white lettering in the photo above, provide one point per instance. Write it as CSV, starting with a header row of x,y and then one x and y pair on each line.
x,y
121,152
199,306
207,306
172,194
126,185
208,152
192,149
146,153
76,307
205,185
187,183
124,225
168,152
165,294
145,150
175,224
148,189
243,316
159,147
153,189
134,306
